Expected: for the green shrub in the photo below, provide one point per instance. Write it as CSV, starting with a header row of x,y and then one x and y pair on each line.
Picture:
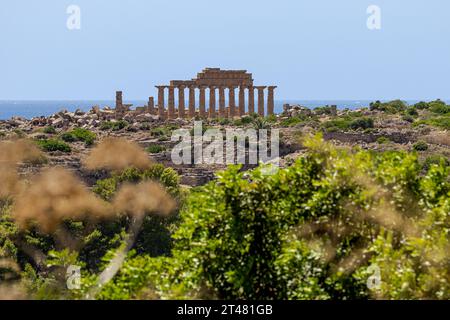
x,y
79,134
155,148
408,118
272,118
49,130
84,135
394,106
145,126
338,124
439,107
347,122
420,146
421,105
293,121
325,110
362,123
412,111
382,140
158,132
166,176
50,145
163,131
224,121
435,159
68,137
163,138
114,125
440,122
245,120
107,125
154,237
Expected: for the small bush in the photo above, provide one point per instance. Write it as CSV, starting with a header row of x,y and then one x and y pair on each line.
x,y
408,118
382,140
439,107
68,137
362,123
224,121
49,130
322,110
292,121
435,159
168,177
272,118
158,132
163,138
155,148
394,106
420,146
114,125
412,111
163,131
440,122
346,123
79,134
145,126
339,124
50,145
244,121
421,105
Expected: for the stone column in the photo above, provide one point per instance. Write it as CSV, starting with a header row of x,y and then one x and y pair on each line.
x,y
161,101
212,102
181,102
270,100
261,100
171,107
251,100
241,101
191,102
119,111
150,105
231,102
222,112
202,105
119,102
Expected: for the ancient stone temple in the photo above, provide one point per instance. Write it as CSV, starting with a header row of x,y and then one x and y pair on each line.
x,y
214,81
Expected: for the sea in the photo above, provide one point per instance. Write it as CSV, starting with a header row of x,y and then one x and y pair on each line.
x,y
31,108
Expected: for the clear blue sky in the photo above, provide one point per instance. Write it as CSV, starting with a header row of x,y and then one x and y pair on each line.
x,y
315,49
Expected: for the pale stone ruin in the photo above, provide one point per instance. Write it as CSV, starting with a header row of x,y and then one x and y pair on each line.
x,y
214,80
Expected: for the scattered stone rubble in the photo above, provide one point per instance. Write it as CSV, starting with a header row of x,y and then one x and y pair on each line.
x,y
140,122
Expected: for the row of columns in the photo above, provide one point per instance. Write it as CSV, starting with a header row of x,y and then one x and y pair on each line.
x,y
222,111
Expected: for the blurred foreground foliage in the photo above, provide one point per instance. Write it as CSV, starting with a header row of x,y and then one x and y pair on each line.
x,y
314,230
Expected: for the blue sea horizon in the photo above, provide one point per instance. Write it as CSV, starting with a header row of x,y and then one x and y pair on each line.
x,y
36,108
